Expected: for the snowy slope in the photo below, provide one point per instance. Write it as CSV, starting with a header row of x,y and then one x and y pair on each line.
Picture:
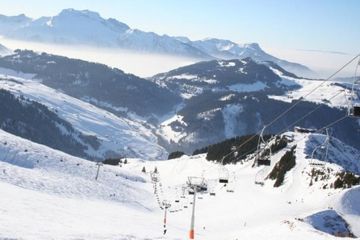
x,y
225,49
229,98
118,136
4,50
44,197
49,194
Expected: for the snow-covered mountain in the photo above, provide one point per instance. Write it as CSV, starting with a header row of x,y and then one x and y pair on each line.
x,y
225,49
89,28
228,98
50,117
86,27
4,50
47,194
105,87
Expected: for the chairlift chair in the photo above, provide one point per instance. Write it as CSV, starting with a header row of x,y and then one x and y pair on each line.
x,y
355,111
224,175
354,107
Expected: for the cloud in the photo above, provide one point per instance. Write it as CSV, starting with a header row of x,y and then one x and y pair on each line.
x,y
323,51
140,64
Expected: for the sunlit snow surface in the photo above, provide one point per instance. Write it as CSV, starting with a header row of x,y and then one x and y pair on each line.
x,y
46,194
117,135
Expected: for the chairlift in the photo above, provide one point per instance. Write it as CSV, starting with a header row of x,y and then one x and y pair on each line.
x,y
355,111
223,180
261,160
323,147
223,175
354,106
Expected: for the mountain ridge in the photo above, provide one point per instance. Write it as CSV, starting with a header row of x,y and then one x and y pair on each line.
x,y
72,26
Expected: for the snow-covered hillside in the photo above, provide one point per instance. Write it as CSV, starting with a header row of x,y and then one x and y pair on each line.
x,y
118,136
49,194
4,50
229,98
225,49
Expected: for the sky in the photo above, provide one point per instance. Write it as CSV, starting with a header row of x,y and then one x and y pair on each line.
x,y
295,29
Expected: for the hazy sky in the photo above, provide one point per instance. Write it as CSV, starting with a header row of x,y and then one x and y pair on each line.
x,y
284,27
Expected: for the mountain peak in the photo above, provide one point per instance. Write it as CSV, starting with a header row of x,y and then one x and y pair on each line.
x,y
254,46
83,13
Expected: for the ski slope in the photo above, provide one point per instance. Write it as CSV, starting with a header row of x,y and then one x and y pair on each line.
x,y
118,136
330,93
46,194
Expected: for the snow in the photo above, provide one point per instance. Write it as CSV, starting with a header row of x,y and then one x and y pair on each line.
x,y
226,64
208,115
328,221
44,198
251,87
227,97
230,115
349,206
5,73
184,76
167,131
324,94
114,132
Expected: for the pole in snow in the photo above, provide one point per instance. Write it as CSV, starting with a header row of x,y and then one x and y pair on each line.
x,y
192,224
166,206
99,164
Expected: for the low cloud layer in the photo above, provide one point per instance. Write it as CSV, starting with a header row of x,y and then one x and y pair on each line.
x,y
140,64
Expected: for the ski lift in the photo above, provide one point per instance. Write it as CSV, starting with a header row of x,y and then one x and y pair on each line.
x,y
198,184
224,173
323,147
262,147
354,106
154,177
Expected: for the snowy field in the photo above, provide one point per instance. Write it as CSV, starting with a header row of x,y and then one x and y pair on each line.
x,y
46,194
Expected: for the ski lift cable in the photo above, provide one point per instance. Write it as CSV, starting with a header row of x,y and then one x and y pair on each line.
x,y
308,114
294,105
325,143
312,91
324,128
355,79
353,94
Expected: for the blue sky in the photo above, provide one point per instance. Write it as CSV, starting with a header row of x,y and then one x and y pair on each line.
x,y
283,27
295,24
